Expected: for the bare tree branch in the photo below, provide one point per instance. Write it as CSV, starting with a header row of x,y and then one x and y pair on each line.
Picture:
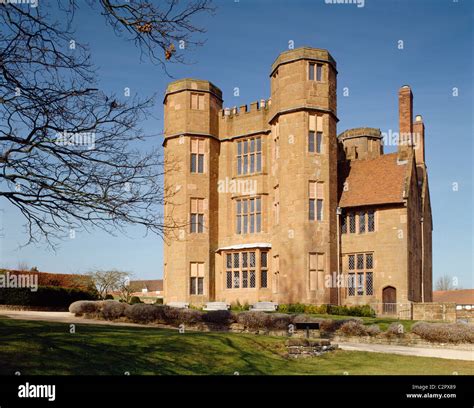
x,y
71,157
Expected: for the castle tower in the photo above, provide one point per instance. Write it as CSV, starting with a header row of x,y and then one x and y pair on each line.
x,y
191,150
304,166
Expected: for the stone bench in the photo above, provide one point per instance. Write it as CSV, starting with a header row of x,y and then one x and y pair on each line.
x,y
264,307
178,305
216,306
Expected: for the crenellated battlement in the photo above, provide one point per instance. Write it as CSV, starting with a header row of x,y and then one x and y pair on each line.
x,y
260,106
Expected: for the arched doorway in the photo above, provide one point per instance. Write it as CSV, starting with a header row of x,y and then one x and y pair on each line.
x,y
389,300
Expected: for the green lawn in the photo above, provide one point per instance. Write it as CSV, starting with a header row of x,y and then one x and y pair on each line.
x,y
33,347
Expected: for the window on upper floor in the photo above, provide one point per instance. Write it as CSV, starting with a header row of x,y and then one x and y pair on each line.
x,y
315,141
315,72
249,156
362,221
352,223
371,220
197,155
248,218
197,216
316,200
197,101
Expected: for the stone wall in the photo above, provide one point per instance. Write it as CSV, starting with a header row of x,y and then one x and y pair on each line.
x,y
445,312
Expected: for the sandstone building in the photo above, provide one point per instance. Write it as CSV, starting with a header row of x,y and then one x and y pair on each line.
x,y
273,205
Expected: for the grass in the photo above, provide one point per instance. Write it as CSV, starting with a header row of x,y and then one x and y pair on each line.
x,y
33,347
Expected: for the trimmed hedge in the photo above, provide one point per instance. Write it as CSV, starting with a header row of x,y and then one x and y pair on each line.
x,y
82,307
112,309
46,296
354,328
444,332
360,311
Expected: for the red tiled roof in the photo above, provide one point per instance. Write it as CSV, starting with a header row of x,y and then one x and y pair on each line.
x,y
460,296
150,285
372,181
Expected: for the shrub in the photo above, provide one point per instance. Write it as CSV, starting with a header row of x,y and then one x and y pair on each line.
x,y
238,307
134,300
142,313
84,307
189,316
330,325
303,318
361,311
45,296
296,308
220,317
253,320
108,296
283,308
113,310
316,309
373,330
279,321
353,328
444,332
395,330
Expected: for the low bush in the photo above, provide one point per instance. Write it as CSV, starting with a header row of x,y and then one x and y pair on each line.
x,y
395,330
444,332
373,330
353,328
316,309
330,325
108,296
112,309
253,320
82,307
296,308
304,318
360,311
238,307
279,321
220,317
189,316
142,313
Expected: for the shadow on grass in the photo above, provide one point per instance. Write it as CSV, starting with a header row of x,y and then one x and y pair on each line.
x,y
34,347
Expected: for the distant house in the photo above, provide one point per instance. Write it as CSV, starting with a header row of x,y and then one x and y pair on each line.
x,y
463,298
147,289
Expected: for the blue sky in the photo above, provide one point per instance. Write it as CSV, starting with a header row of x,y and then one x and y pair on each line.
x,y
243,38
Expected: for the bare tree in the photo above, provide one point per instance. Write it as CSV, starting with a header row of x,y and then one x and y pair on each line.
x,y
107,281
125,289
71,156
444,282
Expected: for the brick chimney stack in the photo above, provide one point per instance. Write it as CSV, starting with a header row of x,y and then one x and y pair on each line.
x,y
419,140
405,119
